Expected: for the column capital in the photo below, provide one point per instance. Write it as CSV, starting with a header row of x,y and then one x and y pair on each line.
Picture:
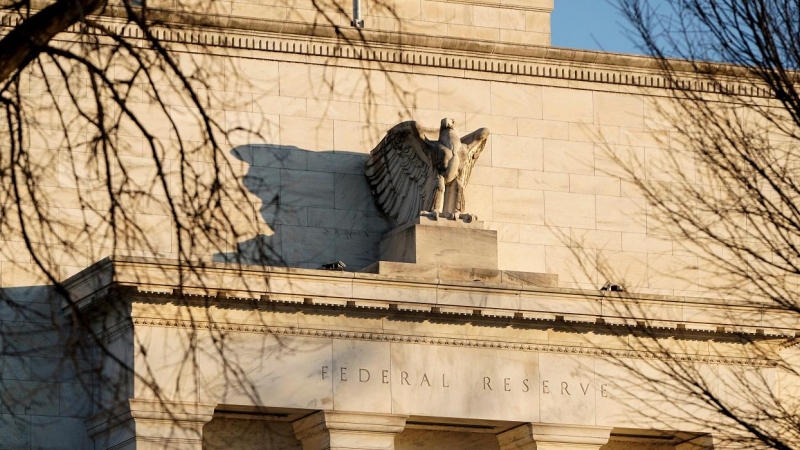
x,y
145,424
332,430
551,437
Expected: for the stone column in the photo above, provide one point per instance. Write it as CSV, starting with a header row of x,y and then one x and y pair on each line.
x,y
553,437
331,430
150,425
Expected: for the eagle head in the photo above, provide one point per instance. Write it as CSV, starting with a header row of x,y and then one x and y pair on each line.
x,y
448,123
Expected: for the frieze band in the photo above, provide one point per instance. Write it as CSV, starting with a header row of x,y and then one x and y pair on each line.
x,y
505,384
473,343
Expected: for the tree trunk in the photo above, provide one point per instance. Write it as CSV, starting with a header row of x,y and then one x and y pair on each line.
x,y
25,41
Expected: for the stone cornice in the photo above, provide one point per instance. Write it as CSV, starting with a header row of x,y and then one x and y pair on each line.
x,y
419,50
341,332
214,283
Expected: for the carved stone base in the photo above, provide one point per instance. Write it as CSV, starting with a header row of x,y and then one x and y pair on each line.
x,y
442,242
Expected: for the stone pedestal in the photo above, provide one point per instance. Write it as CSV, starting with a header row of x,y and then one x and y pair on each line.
x,y
150,425
330,430
442,242
554,437
433,272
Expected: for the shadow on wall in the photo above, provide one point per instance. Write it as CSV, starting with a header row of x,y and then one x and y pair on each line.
x,y
46,373
317,202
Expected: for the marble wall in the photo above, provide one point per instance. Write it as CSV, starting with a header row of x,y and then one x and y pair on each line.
x,y
547,181
45,378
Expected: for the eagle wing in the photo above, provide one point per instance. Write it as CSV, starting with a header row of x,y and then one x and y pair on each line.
x,y
475,143
402,174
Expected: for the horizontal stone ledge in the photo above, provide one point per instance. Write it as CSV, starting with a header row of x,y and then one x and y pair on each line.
x,y
161,274
463,342
421,311
360,35
383,294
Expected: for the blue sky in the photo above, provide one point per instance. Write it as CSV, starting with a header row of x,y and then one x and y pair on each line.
x,y
590,25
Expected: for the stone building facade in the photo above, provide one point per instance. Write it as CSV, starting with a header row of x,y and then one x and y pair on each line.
x,y
513,356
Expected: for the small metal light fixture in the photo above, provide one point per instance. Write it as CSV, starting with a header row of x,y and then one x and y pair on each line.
x,y
609,287
338,265
358,22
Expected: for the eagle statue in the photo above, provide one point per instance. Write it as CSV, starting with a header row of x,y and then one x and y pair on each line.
x,y
410,175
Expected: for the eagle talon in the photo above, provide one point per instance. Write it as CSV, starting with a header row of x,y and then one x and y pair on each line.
x,y
468,218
